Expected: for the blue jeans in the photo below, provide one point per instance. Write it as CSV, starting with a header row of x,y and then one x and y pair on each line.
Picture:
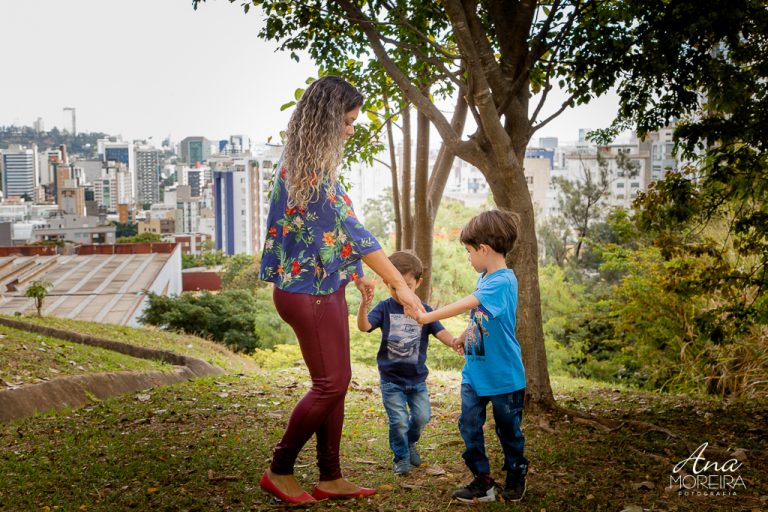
x,y
408,411
508,414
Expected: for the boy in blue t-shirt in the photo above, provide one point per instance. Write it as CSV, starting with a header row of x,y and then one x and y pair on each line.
x,y
493,368
402,363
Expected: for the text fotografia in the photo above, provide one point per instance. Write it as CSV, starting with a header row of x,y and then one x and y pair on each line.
x,y
708,478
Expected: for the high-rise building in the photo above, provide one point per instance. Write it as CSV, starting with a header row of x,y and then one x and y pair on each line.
x,y
663,158
195,181
537,168
548,142
47,161
113,149
195,149
583,132
239,144
20,171
148,164
240,201
72,198
114,187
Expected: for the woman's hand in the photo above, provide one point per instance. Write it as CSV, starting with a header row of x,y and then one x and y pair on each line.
x,y
365,284
410,301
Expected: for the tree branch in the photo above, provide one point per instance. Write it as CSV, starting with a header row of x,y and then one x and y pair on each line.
x,y
419,33
419,55
482,97
421,102
445,158
484,53
566,104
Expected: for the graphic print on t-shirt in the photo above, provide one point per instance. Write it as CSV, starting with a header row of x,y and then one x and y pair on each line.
x,y
403,340
475,343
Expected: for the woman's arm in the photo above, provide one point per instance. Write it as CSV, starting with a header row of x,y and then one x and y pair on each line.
x,y
380,264
453,309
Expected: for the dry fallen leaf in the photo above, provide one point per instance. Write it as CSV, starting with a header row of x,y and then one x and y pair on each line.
x,y
644,485
435,470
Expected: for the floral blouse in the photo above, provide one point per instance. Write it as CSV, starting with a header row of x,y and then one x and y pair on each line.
x,y
317,249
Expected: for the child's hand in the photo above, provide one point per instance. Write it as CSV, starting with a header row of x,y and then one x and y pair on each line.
x,y
365,284
457,346
458,343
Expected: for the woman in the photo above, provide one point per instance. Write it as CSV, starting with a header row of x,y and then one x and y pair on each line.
x,y
314,247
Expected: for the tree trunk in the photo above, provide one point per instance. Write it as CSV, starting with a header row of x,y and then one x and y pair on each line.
x,y
423,220
407,217
395,187
436,186
513,194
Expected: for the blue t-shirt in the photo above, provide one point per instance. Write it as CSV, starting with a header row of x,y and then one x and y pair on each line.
x,y
493,362
402,356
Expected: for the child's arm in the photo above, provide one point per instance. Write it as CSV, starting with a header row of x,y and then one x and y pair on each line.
x,y
362,314
456,308
448,340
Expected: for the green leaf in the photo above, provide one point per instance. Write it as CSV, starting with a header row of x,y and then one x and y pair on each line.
x,y
297,93
286,106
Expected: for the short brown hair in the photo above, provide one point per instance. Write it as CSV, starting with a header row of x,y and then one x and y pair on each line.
x,y
406,262
495,228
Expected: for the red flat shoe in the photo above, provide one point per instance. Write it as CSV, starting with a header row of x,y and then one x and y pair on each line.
x,y
269,486
361,492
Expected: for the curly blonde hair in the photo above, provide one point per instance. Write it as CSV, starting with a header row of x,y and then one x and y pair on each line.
x,y
315,138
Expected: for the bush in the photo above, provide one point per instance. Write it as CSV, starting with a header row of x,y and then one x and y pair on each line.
x,y
228,317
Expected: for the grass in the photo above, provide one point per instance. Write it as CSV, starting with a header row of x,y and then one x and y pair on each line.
x,y
202,445
364,347
150,337
27,358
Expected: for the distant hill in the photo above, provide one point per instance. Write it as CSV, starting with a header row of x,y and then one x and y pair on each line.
x,y
82,143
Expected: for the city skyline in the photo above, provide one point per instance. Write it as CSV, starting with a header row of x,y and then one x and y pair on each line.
x,y
168,70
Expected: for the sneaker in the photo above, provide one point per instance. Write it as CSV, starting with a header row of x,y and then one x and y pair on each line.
x,y
415,458
514,490
402,467
479,490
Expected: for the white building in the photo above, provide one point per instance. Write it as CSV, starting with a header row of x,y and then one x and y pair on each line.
x,y
241,187
20,168
623,184
113,149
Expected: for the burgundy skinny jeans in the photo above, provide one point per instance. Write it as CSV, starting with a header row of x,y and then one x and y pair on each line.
x,y
321,323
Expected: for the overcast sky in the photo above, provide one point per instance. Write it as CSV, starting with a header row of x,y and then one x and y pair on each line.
x,y
153,68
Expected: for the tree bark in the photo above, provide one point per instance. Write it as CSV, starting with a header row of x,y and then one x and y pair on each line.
x,y
514,195
441,170
423,220
407,217
395,188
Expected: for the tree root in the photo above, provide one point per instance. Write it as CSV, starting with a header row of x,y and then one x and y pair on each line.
x,y
609,425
